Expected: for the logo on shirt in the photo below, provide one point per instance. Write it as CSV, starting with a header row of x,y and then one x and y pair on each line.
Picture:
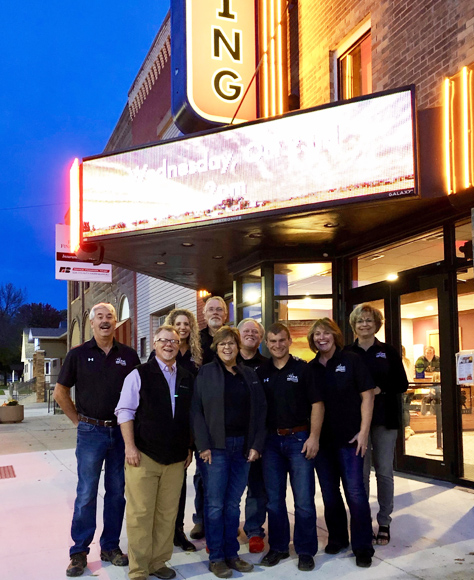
x,y
340,369
293,378
90,359
380,355
120,361
267,380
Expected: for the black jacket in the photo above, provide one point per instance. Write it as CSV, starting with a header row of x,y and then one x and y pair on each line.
x,y
207,412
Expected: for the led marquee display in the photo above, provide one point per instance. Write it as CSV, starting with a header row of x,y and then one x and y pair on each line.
x,y
359,149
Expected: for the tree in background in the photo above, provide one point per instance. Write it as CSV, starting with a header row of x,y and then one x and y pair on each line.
x,y
39,315
11,300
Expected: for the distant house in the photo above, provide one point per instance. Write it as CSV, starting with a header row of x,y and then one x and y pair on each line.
x,y
53,341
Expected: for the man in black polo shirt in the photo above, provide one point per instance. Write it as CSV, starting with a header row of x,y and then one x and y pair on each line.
x,y
153,413
251,335
97,369
294,419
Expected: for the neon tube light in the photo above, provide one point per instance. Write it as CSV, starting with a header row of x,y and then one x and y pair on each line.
x,y
75,209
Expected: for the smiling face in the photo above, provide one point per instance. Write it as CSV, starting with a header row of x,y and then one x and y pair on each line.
x,y
214,314
103,324
324,341
166,346
365,327
227,351
182,327
278,344
250,335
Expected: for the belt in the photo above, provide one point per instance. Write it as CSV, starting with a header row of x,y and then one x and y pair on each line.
x,y
284,432
99,422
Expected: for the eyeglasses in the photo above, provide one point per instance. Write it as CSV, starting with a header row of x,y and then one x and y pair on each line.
x,y
362,320
224,344
167,340
218,309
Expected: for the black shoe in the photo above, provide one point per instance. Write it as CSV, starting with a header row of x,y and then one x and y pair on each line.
x,y
164,572
272,558
182,541
305,563
239,565
115,557
363,559
77,564
333,548
220,569
197,533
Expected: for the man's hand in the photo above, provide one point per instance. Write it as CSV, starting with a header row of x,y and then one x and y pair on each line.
x,y
311,447
253,455
362,440
132,455
206,456
189,459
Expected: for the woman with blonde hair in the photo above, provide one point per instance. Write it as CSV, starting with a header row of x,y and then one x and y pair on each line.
x,y
190,351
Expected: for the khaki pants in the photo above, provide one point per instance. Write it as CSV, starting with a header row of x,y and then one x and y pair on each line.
x,y
152,491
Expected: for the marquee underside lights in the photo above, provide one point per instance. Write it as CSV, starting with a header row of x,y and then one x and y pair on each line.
x,y
459,130
330,155
75,205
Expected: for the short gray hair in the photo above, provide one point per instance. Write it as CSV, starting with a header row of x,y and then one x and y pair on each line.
x,y
107,305
260,326
219,299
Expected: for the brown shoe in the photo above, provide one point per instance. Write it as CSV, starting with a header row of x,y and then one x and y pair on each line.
x,y
77,564
165,573
115,557
220,569
239,565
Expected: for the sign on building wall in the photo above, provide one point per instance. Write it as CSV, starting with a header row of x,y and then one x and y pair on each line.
x,y
213,61
68,266
334,154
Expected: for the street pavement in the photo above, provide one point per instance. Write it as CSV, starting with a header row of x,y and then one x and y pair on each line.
x,y
432,531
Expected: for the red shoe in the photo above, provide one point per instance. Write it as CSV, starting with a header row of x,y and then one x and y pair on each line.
x,y
207,549
256,545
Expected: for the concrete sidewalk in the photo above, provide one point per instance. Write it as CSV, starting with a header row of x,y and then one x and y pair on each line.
x,y
432,531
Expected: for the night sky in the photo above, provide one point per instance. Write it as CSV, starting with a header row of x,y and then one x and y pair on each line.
x,y
66,69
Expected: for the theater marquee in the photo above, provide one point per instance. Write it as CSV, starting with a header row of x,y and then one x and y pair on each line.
x,y
334,154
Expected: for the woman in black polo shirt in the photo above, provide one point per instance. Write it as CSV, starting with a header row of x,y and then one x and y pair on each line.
x,y
228,419
347,392
386,368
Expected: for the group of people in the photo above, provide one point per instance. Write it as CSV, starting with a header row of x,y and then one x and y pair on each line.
x,y
251,421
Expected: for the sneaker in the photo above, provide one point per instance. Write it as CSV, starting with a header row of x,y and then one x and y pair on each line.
x,y
256,545
273,557
164,572
239,565
77,564
197,533
333,548
115,557
220,569
181,541
363,559
305,563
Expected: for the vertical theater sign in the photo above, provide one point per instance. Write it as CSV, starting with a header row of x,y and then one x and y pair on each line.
x,y
214,53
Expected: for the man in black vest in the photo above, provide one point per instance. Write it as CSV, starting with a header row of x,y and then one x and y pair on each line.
x,y
153,414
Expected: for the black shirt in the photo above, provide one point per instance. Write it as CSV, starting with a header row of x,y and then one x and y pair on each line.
x,y
206,340
386,369
98,377
341,381
236,404
256,361
289,393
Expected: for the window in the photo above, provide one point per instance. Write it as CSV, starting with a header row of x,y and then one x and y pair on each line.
x,y
354,64
143,352
124,310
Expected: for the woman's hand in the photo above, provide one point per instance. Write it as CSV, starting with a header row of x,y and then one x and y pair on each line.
x,y
253,456
132,455
206,456
362,440
189,459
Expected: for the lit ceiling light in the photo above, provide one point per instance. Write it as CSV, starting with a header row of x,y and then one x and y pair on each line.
x,y
160,263
391,277
217,257
429,307
252,296
187,244
331,225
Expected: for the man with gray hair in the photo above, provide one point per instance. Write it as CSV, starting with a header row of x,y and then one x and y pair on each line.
x,y
97,369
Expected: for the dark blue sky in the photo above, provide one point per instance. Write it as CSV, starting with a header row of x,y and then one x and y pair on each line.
x,y
66,69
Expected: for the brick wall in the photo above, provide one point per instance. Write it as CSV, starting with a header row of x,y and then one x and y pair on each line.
x,y
413,41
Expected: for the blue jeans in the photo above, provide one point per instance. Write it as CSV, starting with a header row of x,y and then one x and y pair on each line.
x,y
224,483
198,516
282,456
332,466
256,502
382,448
96,445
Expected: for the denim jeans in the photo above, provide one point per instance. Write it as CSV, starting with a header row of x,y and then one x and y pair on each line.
x,y
224,483
256,502
282,456
382,448
95,446
198,516
333,466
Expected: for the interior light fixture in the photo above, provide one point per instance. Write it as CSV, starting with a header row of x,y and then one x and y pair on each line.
x,y
392,277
